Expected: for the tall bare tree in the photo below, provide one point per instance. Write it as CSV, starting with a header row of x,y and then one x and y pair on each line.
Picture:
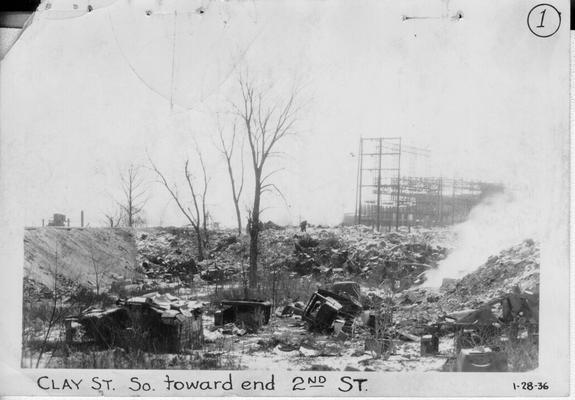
x,y
267,123
198,216
134,200
228,149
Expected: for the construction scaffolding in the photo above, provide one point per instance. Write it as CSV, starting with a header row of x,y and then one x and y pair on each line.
x,y
385,198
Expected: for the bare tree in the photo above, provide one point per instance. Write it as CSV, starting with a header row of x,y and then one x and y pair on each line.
x,y
133,202
197,216
114,220
101,263
267,123
228,152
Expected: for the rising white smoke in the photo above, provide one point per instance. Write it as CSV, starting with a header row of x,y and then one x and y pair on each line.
x,y
500,221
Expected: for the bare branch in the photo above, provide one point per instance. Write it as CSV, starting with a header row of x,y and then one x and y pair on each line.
x,y
228,151
192,190
275,171
171,191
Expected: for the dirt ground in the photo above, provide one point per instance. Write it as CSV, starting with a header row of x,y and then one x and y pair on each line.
x,y
285,344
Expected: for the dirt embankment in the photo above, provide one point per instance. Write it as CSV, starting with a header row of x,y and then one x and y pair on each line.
x,y
84,256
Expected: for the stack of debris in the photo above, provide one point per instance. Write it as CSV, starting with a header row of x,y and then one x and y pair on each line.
x,y
399,258
166,250
515,266
153,322
396,258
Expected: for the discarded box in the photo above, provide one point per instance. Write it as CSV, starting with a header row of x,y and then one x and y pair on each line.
x,y
249,314
481,360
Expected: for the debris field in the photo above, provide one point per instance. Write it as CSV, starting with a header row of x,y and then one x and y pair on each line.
x,y
345,298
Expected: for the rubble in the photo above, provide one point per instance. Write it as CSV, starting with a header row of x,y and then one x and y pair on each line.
x,y
332,254
365,307
158,322
515,266
359,251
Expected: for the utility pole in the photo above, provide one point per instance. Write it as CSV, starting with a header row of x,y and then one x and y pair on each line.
x,y
380,176
398,185
379,185
359,184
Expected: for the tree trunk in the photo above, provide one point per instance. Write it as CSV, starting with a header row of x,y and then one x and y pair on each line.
x,y
254,234
200,243
236,196
238,216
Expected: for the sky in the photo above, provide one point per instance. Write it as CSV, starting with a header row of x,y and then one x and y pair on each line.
x,y
85,94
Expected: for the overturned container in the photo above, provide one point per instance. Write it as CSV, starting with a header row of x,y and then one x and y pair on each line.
x,y
326,306
248,314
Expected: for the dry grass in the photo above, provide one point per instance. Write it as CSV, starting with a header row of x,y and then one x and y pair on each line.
x,y
213,356
522,356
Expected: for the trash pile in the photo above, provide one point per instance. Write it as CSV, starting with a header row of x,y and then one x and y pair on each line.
x,y
334,253
166,252
170,254
226,259
495,306
154,322
398,259
515,266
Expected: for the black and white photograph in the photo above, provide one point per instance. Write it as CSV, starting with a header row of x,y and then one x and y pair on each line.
x,y
332,192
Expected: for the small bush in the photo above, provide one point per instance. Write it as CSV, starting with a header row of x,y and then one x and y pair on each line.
x,y
522,355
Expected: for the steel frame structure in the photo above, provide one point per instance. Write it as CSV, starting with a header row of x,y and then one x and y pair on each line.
x,y
408,200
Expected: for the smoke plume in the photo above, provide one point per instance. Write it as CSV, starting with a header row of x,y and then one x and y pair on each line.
x,y
500,221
